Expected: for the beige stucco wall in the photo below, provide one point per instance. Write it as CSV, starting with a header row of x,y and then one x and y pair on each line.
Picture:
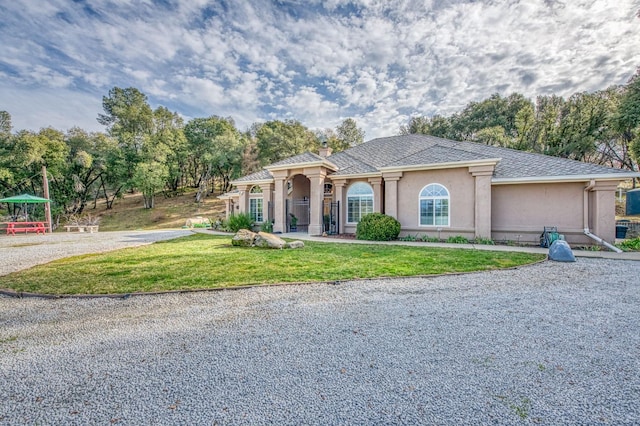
x,y
520,212
461,186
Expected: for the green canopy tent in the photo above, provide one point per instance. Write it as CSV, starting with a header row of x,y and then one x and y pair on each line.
x,y
25,199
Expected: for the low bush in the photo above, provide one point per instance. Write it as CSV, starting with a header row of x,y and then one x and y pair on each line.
x,y
239,221
457,239
377,227
630,245
485,241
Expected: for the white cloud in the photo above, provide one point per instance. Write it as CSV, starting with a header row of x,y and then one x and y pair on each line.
x,y
373,60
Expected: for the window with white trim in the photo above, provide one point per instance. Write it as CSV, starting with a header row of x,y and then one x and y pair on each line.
x,y
359,201
255,204
434,205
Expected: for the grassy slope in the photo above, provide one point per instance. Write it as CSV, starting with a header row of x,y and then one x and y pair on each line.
x,y
128,213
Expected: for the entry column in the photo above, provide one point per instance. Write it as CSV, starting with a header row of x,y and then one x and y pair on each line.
x,y
338,191
377,194
280,195
482,206
391,193
267,190
316,199
244,198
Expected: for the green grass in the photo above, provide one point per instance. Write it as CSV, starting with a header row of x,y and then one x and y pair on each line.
x,y
205,261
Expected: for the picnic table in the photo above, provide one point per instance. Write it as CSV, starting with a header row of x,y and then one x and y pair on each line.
x,y
37,227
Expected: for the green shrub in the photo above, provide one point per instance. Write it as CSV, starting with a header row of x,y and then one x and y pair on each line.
x,y
457,239
630,245
485,241
377,227
202,225
239,221
427,239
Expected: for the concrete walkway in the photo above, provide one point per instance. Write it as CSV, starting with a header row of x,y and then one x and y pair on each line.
x,y
602,254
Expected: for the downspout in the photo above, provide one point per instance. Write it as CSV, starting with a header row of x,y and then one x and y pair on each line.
x,y
585,219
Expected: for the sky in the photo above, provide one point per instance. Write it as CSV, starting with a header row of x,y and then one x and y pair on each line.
x,y
319,62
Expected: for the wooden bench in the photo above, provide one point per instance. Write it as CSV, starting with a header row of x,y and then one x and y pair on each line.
x,y
82,228
37,227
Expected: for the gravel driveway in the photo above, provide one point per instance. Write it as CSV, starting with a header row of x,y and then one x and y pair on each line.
x,y
553,343
24,251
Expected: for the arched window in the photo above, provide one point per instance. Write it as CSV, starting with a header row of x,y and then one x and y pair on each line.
x,y
434,205
359,201
255,204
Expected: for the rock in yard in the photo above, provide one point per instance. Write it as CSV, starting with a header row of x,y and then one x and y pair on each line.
x,y
196,220
244,238
267,240
560,251
295,244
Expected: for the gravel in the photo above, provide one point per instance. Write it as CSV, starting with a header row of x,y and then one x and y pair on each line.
x,y
24,251
552,343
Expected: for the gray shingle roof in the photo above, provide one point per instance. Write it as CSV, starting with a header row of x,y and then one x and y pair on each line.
x,y
415,150
306,157
350,165
436,154
261,175
407,150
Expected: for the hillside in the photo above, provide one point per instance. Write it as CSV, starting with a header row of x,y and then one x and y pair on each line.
x,y
128,213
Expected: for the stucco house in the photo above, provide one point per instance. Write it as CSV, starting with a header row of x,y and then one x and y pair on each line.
x,y
436,187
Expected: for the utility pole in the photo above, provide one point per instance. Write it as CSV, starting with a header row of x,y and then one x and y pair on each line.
x,y
47,205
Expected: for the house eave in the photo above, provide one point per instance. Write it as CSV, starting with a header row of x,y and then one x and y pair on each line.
x,y
356,175
228,196
438,166
324,163
251,182
565,178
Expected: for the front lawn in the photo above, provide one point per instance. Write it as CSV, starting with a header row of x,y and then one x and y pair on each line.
x,y
205,261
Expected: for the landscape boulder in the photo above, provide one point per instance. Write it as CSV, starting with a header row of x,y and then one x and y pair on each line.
x,y
244,238
295,244
267,240
560,251
196,221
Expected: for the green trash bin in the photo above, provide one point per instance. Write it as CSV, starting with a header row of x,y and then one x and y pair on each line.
x,y
621,232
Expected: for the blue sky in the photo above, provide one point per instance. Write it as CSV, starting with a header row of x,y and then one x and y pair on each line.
x,y
379,62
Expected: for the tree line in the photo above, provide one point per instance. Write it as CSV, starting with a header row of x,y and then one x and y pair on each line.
x,y
602,127
152,151
155,152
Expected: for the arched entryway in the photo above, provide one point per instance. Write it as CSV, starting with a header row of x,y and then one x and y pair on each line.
x,y
298,212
